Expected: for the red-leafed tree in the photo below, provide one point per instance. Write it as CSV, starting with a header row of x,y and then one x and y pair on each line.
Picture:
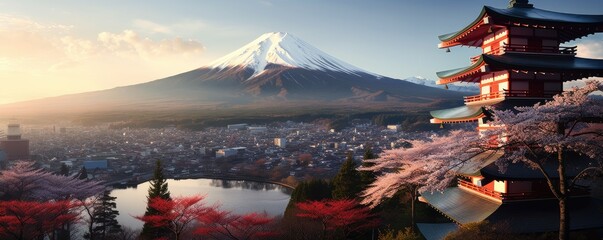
x,y
182,213
219,224
344,215
177,214
24,182
33,220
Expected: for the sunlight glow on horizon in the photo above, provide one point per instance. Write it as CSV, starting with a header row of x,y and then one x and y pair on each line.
x,y
61,47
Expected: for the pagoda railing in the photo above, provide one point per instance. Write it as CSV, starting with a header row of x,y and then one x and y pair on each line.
x,y
577,191
540,49
525,48
482,190
510,93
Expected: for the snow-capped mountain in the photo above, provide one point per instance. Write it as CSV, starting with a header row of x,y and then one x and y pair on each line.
x,y
459,87
284,49
276,69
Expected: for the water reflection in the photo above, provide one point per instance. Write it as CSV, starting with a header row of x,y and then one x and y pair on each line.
x,y
238,196
256,186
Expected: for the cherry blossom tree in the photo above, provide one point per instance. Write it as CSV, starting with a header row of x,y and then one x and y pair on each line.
x,y
33,220
536,135
25,182
428,164
219,224
177,214
345,215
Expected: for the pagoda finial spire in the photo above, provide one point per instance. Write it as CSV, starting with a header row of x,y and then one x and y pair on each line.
x,y
520,4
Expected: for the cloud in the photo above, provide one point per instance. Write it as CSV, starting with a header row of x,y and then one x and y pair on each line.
x,y
182,26
590,49
151,26
10,22
129,41
46,59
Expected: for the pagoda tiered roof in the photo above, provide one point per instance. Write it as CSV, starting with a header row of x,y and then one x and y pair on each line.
x,y
572,67
463,206
570,26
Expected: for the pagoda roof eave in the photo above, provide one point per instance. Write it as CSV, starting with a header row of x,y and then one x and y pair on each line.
x,y
458,74
588,24
472,167
464,206
532,15
461,205
451,39
573,67
457,114
545,63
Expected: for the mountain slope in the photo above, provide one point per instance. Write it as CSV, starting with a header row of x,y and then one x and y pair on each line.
x,y
277,69
459,87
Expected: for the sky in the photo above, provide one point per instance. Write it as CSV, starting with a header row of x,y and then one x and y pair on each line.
x,y
52,48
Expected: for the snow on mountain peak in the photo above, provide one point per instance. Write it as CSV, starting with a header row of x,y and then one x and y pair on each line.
x,y
283,49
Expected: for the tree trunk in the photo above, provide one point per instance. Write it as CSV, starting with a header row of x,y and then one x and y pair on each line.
x,y
564,220
413,195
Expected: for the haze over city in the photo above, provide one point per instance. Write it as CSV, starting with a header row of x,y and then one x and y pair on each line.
x,y
61,47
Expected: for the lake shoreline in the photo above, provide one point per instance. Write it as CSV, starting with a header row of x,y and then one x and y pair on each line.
x,y
134,182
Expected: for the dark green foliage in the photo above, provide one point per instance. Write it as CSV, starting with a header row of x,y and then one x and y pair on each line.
x,y
347,184
338,124
64,170
158,188
104,217
313,190
83,173
367,177
406,234
408,121
482,230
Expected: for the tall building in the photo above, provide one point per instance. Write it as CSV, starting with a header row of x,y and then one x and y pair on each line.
x,y
522,62
280,142
14,147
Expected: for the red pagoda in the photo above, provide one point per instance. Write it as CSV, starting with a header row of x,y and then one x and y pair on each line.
x,y
522,62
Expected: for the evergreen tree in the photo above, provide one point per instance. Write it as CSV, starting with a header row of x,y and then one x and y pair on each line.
x,y
346,184
313,190
64,170
367,177
104,218
157,189
83,173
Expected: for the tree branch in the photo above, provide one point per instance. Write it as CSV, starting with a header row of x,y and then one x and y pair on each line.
x,y
599,169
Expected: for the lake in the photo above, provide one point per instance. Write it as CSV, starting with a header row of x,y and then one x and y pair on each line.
x,y
237,196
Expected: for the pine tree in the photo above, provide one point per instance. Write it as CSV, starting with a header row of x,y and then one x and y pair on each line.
x,y
157,189
313,190
367,177
104,218
64,170
346,184
83,173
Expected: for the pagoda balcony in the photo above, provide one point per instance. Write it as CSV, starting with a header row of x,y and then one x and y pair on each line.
x,y
574,192
509,94
480,190
541,49
527,49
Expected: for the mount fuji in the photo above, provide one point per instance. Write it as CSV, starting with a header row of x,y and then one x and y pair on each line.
x,y
275,70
